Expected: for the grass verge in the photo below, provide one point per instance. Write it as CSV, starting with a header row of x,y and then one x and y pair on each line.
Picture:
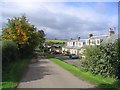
x,y
13,73
99,81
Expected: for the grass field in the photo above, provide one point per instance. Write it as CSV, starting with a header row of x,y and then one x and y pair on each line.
x,y
55,41
107,83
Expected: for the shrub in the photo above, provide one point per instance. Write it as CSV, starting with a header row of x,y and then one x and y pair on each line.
x,y
9,52
102,60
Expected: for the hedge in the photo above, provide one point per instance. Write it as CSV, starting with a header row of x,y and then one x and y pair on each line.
x,y
102,60
9,52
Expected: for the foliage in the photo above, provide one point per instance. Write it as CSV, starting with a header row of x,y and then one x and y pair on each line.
x,y
17,29
20,38
9,52
0,38
102,60
13,72
23,33
41,36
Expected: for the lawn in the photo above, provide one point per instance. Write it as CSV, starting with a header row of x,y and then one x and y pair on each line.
x,y
99,81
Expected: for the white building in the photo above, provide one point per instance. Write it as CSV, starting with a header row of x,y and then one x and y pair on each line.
x,y
76,46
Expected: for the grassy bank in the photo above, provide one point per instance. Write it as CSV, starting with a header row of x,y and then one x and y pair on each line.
x,y
13,73
99,81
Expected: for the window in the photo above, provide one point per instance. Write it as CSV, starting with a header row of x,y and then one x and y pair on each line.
x,y
83,43
97,41
73,43
88,42
92,42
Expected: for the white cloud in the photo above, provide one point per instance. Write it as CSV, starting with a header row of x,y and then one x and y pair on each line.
x,y
61,20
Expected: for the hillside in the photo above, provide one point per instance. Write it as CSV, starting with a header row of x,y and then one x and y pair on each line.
x,y
56,41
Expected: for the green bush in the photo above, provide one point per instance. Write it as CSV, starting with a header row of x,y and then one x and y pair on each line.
x,y
9,52
102,60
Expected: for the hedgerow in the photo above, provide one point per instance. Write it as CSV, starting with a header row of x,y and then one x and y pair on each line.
x,y
102,60
9,52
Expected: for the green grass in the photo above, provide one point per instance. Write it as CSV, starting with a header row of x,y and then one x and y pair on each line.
x,y
55,41
97,80
13,73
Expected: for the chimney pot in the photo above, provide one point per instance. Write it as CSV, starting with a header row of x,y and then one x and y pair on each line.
x,y
78,38
71,39
111,32
90,35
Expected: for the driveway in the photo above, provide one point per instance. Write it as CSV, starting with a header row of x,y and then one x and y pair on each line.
x,y
75,62
46,74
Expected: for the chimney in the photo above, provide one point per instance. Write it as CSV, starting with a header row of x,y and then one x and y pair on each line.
x,y
90,35
71,39
111,32
78,38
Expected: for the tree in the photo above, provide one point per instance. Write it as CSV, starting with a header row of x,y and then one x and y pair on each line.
x,y
23,33
41,36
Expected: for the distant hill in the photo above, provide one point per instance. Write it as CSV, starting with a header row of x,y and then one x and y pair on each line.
x,y
56,41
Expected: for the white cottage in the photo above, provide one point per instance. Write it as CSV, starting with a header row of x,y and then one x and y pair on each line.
x,y
76,46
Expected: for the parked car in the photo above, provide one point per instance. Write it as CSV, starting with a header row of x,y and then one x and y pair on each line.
x,y
73,56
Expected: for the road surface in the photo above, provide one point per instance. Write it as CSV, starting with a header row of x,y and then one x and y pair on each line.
x,y
46,74
75,62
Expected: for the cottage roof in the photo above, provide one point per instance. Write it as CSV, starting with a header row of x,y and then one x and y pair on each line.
x,y
81,40
110,39
100,37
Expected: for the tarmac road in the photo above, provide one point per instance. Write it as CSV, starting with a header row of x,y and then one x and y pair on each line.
x,y
46,74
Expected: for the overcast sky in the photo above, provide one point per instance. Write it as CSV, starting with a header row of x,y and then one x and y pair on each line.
x,y
64,20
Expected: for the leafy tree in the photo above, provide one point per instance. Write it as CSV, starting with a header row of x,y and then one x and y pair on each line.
x,y
23,33
41,36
